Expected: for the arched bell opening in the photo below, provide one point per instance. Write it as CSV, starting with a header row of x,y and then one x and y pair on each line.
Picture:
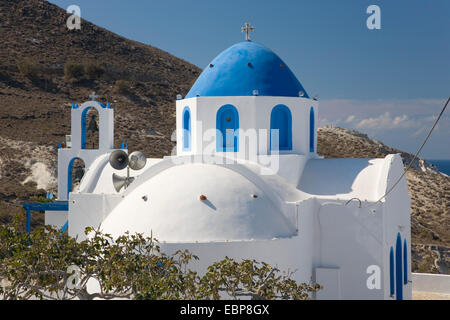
x,y
76,170
90,129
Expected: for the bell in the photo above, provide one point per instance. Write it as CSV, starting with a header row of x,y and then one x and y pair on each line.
x,y
79,173
93,124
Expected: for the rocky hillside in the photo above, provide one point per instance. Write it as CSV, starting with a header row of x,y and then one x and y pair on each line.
x,y
429,190
44,68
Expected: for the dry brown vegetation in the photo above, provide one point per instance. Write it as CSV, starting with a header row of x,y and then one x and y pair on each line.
x,y
44,68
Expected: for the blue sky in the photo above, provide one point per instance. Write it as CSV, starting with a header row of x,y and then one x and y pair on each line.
x,y
389,83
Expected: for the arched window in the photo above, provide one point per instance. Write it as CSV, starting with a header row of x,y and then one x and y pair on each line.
x,y
405,263
75,172
186,129
398,268
281,120
391,272
90,129
227,125
312,129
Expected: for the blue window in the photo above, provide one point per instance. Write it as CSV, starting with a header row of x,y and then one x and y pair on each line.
x,y
311,130
391,272
186,129
227,125
405,263
398,268
281,120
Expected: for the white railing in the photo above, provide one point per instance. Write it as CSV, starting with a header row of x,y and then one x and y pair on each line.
x,y
427,282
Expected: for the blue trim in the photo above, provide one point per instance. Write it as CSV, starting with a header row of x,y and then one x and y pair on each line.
x,y
244,67
391,272
69,174
47,206
405,262
227,125
398,268
312,129
83,125
83,128
281,119
186,129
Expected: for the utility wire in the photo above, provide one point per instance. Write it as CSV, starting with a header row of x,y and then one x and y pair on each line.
x,y
416,155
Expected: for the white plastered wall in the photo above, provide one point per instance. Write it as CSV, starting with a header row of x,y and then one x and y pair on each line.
x,y
397,218
106,143
89,210
254,113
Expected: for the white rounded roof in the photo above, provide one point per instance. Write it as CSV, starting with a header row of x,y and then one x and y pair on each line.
x,y
168,204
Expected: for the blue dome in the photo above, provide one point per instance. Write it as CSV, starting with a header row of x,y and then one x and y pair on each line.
x,y
245,67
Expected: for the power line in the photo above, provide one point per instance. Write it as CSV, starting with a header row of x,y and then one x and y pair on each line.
x,y
411,162
417,153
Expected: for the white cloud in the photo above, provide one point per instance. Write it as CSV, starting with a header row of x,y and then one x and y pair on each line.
x,y
350,118
386,121
399,123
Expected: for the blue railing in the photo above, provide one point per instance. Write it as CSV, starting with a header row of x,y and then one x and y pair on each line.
x,y
65,226
45,206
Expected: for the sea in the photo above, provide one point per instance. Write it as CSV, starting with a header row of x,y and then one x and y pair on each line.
x,y
442,165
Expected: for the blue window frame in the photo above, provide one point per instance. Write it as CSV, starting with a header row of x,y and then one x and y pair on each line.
x,y
281,120
312,129
398,268
227,125
392,272
186,129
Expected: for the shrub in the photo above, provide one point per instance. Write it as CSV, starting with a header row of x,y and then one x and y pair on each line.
x,y
27,68
130,266
93,71
122,87
73,71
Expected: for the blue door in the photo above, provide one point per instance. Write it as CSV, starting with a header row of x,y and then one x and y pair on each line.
x,y
227,124
405,263
392,272
398,268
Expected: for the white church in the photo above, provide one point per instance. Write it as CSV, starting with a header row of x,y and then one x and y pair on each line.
x,y
246,182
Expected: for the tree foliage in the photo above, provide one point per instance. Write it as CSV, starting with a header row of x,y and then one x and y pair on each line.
x,y
46,264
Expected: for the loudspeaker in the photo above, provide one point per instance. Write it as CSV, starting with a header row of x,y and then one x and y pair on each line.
x,y
120,182
137,160
118,159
